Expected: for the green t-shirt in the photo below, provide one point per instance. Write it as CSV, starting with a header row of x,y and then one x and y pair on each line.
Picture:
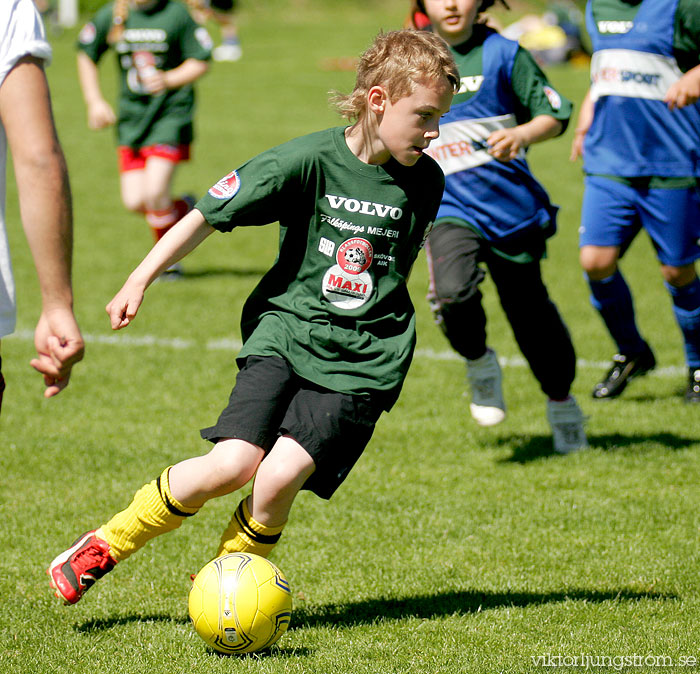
x,y
530,85
686,47
335,303
168,32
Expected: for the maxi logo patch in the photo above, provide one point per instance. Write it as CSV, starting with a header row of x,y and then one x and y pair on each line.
x,y
348,284
226,187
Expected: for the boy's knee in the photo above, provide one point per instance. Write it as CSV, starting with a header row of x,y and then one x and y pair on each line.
x,y
598,262
134,203
678,277
230,466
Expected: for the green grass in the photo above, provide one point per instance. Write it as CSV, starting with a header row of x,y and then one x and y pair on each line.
x,y
450,548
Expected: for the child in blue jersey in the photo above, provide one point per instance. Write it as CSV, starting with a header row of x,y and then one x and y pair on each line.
x,y
494,212
639,133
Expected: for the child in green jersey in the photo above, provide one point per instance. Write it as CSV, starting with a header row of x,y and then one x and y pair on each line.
x,y
329,331
161,52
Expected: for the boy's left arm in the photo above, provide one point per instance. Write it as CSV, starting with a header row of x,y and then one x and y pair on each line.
x,y
542,112
686,43
179,240
162,80
195,45
505,144
684,91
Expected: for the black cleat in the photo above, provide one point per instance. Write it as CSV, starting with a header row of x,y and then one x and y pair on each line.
x,y
692,394
623,369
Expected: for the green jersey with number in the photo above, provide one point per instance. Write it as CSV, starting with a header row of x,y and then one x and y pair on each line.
x,y
335,303
168,36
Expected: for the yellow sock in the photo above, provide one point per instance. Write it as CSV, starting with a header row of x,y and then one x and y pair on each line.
x,y
153,511
245,534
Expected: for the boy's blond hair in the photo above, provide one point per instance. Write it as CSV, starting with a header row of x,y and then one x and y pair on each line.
x,y
398,61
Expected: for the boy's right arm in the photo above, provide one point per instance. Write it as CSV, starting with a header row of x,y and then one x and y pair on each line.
x,y
585,119
180,240
99,111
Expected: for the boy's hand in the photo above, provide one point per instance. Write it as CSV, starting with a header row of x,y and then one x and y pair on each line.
x,y
125,305
684,91
100,115
577,145
505,144
155,83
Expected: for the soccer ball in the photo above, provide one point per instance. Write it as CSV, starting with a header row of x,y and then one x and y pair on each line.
x,y
240,603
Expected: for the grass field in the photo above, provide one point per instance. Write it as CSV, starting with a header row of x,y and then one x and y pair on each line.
x,y
449,548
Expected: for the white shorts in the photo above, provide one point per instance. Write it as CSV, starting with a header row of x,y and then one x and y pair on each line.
x,y
8,313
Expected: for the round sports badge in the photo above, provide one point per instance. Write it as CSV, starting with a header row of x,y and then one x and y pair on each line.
x,y
348,284
226,187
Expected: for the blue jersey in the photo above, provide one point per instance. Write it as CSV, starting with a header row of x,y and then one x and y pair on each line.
x,y
496,198
633,132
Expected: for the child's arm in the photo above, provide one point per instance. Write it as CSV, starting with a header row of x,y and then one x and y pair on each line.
x,y
99,112
504,144
188,71
585,119
684,91
180,240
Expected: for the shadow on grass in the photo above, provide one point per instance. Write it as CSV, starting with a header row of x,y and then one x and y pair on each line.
x,y
209,272
449,603
107,624
537,447
422,606
104,624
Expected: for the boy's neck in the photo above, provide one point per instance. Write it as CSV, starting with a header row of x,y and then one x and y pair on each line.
x,y
455,39
361,144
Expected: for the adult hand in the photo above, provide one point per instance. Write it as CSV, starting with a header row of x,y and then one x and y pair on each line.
x,y
59,346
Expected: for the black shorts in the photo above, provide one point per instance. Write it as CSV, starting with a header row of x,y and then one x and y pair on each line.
x,y
270,400
2,384
222,5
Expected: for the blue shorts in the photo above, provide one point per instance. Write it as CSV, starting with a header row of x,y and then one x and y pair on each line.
x,y
613,213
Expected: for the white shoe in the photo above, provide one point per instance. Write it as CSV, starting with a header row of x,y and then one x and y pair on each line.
x,y
567,422
484,374
227,52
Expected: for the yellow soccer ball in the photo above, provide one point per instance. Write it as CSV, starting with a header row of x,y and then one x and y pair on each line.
x,y
240,603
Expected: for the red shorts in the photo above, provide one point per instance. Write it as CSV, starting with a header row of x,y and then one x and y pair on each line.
x,y
133,159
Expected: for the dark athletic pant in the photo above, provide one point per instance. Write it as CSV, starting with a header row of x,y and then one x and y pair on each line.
x,y
454,253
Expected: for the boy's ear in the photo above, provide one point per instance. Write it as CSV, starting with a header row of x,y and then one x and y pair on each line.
x,y
377,99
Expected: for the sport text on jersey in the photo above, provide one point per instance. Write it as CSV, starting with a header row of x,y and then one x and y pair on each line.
x,y
629,73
